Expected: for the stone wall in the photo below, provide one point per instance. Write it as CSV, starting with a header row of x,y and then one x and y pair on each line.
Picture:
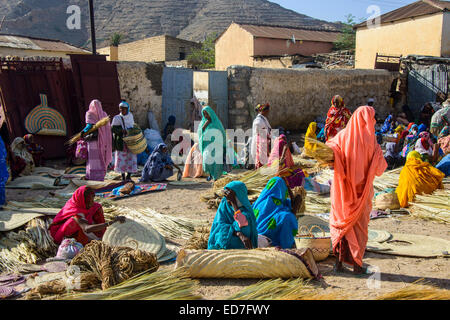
x,y
297,97
141,85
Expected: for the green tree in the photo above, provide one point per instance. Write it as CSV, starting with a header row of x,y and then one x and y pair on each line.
x,y
115,39
347,41
205,57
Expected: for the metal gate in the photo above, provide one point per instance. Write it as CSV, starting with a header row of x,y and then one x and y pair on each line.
x,y
176,95
96,78
424,84
218,95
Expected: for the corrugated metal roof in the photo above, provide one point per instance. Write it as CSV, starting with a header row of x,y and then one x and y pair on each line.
x,y
29,43
272,32
416,9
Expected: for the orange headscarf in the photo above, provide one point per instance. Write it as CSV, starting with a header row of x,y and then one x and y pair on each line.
x,y
358,159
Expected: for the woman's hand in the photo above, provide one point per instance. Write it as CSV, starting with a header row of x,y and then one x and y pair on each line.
x,y
246,241
124,132
168,166
231,198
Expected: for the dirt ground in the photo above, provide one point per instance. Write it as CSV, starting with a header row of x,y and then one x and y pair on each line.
x,y
396,272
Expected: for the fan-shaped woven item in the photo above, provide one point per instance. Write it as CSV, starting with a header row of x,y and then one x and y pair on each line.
x,y
411,245
76,170
132,233
46,121
243,264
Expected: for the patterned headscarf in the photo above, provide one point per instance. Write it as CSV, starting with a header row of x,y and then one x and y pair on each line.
x,y
262,107
337,101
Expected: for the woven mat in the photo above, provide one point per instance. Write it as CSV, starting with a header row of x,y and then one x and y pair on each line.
x,y
412,245
35,182
43,278
131,234
10,220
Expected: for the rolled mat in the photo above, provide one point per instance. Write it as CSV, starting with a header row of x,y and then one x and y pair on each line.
x,y
264,263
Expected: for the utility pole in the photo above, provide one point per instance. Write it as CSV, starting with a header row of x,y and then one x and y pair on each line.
x,y
91,11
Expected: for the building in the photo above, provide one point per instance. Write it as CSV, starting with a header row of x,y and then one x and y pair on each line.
x,y
155,49
421,28
270,46
21,46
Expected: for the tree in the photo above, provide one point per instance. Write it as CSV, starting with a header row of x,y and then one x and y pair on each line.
x,y
205,57
115,39
347,41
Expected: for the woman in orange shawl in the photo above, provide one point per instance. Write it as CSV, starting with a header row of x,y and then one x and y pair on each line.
x,y
337,117
358,158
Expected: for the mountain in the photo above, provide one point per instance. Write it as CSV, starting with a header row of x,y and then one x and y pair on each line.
x,y
138,19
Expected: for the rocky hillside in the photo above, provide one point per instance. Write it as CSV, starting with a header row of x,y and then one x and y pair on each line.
x,y
137,19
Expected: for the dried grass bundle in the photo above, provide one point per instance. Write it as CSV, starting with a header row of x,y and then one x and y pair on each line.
x,y
113,265
160,285
29,245
434,207
321,153
101,123
199,239
419,290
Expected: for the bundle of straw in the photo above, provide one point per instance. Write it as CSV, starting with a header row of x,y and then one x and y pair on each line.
x,y
417,291
160,285
277,289
321,153
432,207
99,124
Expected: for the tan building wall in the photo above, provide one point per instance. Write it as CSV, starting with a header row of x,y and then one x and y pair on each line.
x,y
264,46
235,47
155,49
34,53
420,35
445,46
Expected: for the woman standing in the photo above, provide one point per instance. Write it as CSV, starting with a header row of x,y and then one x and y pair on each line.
x,y
125,162
99,145
234,225
261,136
4,174
211,136
337,117
358,159
81,218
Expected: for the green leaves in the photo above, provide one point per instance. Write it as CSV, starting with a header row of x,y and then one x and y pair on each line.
x,y
205,57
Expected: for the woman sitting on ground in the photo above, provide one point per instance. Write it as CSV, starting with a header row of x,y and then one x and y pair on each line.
x,y
286,166
417,177
22,163
159,166
234,225
34,149
81,219
275,213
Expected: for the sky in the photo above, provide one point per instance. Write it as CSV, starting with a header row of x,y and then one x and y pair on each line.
x,y
337,10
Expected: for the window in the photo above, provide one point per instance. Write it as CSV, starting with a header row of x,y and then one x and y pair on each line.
x,y
182,53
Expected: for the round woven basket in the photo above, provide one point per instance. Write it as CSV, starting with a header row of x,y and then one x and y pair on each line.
x,y
320,246
387,201
135,140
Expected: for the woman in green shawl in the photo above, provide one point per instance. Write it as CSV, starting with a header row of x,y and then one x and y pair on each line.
x,y
212,143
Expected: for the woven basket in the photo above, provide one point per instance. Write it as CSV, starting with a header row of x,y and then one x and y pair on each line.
x,y
387,201
320,247
135,140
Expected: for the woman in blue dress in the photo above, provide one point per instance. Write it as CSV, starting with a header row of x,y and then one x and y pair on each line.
x,y
4,175
159,166
234,225
274,212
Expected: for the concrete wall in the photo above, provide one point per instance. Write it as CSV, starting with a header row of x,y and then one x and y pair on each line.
x,y
265,46
420,35
234,47
173,46
297,97
141,85
445,45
